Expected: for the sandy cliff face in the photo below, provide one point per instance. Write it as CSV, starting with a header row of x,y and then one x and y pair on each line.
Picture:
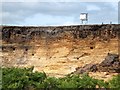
x,y
58,50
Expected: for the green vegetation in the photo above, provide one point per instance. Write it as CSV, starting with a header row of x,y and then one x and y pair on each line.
x,y
25,79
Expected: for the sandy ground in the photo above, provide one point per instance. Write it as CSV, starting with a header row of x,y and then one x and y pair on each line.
x,y
60,58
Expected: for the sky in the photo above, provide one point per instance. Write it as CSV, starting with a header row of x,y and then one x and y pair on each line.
x,y
46,13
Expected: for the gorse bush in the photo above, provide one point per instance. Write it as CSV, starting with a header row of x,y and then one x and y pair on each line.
x,y
25,79
115,82
18,78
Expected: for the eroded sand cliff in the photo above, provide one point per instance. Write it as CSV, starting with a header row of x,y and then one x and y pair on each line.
x,y
58,50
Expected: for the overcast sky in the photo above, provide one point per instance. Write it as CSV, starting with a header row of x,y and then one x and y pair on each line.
x,y
57,13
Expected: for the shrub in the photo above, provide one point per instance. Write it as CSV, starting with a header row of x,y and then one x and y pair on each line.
x,y
25,79
18,78
115,82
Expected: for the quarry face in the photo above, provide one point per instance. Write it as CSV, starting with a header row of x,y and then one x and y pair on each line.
x,y
58,51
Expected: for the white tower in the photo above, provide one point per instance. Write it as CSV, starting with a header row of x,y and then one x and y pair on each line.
x,y
84,17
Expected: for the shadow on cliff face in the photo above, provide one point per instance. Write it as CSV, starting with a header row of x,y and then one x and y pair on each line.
x,y
110,64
